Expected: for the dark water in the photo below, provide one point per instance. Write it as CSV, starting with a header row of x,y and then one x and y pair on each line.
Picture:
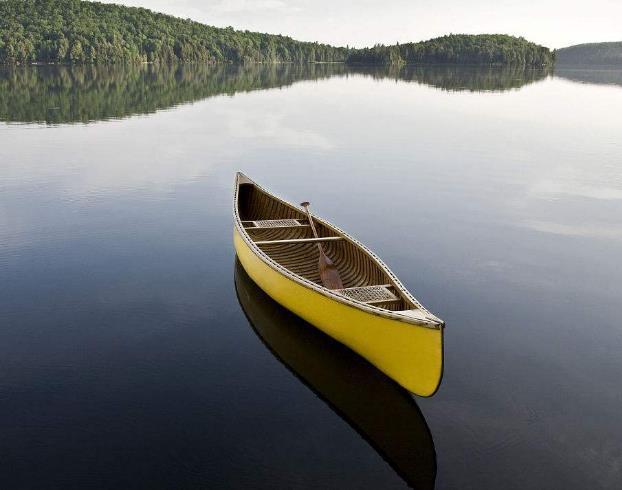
x,y
135,354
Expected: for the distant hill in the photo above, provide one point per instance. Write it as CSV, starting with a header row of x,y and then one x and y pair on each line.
x,y
482,49
591,54
75,31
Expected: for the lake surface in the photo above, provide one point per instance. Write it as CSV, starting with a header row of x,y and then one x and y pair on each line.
x,y
135,353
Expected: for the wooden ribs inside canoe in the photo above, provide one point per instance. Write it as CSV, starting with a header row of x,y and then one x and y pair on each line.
x,y
283,233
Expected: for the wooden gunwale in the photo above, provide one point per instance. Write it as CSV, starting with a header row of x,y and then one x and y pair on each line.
x,y
432,323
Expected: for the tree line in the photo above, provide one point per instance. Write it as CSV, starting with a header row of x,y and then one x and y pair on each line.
x,y
80,32
75,31
481,49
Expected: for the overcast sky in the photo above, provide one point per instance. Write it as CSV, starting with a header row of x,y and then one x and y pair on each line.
x,y
554,23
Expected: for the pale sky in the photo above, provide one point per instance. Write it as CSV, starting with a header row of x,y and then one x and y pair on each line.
x,y
553,23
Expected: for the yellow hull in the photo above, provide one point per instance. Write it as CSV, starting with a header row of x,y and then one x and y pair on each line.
x,y
409,354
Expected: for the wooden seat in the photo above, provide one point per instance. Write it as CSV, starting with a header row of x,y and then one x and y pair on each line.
x,y
376,294
274,223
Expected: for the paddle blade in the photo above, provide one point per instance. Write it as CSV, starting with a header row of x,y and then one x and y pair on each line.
x,y
329,273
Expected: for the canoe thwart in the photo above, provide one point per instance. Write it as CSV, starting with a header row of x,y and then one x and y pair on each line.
x,y
369,294
300,240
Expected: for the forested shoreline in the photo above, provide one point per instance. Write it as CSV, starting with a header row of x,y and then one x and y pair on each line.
x,y
482,49
76,31
81,32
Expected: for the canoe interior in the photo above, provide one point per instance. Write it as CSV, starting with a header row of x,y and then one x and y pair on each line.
x,y
356,267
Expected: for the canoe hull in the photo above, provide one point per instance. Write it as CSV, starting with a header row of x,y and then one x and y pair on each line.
x,y
409,354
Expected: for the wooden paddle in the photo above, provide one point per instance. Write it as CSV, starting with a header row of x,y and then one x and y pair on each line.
x,y
328,272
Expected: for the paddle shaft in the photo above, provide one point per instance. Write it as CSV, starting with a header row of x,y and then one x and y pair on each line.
x,y
328,272
306,206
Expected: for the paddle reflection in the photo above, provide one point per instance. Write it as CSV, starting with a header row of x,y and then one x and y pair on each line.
x,y
384,414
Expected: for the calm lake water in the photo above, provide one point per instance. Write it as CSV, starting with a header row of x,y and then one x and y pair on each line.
x,y
134,352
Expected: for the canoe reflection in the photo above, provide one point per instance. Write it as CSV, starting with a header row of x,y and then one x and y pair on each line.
x,y
384,414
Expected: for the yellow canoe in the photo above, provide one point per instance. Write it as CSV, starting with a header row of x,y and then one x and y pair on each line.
x,y
374,314
385,415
